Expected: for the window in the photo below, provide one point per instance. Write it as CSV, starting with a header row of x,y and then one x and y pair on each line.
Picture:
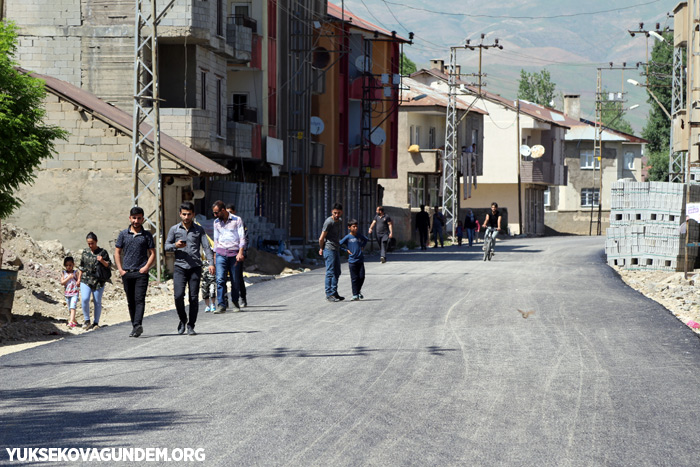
x,y
587,159
242,9
416,190
219,109
590,197
547,198
432,143
411,132
219,17
240,103
417,136
433,190
203,90
629,160
414,135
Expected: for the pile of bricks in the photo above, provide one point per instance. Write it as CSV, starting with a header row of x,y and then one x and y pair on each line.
x,y
645,220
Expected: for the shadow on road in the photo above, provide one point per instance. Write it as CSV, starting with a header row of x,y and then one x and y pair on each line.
x,y
32,423
278,352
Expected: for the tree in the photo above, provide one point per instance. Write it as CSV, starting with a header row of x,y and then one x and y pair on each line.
x,y
406,66
24,138
613,116
536,87
658,127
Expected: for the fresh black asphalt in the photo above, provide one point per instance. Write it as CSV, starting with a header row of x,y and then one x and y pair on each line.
x,y
436,367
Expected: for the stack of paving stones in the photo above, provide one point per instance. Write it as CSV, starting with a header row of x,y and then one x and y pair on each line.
x,y
645,221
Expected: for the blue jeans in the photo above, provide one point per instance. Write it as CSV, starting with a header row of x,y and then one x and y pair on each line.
x,y
470,236
85,293
332,271
225,264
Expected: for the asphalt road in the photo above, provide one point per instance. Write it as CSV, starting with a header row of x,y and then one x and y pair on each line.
x,y
436,367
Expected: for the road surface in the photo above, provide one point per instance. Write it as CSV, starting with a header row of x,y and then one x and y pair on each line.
x,y
436,367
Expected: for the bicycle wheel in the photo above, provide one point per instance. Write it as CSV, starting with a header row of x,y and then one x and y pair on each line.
x,y
487,249
490,254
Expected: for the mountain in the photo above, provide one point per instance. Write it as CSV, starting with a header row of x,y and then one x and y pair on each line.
x,y
559,35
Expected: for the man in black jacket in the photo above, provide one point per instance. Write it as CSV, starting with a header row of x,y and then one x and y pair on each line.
x,y
423,226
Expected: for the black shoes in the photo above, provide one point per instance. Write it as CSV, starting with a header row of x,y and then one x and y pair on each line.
x,y
137,331
340,299
244,302
86,325
181,328
332,298
236,306
190,331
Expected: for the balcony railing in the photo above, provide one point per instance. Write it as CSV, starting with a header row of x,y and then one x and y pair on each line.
x,y
239,35
241,113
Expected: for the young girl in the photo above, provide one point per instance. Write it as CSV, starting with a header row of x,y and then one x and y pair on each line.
x,y
460,232
70,279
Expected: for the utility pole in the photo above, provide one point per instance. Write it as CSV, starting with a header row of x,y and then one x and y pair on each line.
x,y
517,150
450,174
146,164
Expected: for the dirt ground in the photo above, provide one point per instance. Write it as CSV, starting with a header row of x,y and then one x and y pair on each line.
x,y
40,314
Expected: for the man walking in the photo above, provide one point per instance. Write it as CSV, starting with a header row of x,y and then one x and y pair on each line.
x,y
438,224
423,226
329,243
231,208
186,239
385,231
229,244
134,255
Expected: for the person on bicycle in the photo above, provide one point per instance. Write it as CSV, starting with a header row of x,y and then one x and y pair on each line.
x,y
493,221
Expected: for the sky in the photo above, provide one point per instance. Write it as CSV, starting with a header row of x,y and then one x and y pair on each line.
x,y
569,38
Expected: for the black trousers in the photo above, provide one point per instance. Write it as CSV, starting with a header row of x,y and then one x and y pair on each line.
x,y
423,238
241,283
357,276
191,278
135,286
383,241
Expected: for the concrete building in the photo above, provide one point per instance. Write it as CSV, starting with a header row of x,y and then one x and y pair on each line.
x,y
574,208
421,128
499,179
88,186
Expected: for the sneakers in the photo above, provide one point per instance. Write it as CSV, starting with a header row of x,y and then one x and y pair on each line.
x,y
137,331
220,310
355,298
209,309
71,324
332,298
181,328
86,324
340,299
244,302
190,331
92,327
362,297
383,259
236,306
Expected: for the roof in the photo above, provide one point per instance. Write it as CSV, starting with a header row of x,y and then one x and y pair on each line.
x,y
170,147
337,12
535,111
418,95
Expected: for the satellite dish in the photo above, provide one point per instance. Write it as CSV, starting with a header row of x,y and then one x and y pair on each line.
x,y
537,151
525,150
321,58
378,136
317,126
362,65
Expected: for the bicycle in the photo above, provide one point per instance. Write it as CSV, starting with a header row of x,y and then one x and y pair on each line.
x,y
489,242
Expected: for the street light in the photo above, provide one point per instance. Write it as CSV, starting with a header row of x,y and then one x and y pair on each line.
x,y
657,36
636,83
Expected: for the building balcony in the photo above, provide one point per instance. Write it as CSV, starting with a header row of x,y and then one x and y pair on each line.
x,y
241,114
245,139
239,35
192,127
543,172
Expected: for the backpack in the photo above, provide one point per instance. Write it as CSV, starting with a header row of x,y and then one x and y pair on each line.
x,y
102,273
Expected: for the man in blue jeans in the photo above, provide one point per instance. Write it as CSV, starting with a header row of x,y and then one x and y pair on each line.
x,y
329,248
229,245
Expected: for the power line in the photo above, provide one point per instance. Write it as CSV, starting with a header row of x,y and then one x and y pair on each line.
x,y
447,13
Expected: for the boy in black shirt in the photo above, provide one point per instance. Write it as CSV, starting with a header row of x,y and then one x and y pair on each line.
x,y
353,243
